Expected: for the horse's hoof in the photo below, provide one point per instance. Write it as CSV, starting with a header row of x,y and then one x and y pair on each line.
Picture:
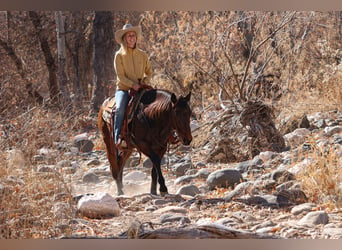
x,y
162,194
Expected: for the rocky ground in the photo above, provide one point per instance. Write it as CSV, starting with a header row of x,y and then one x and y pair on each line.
x,y
259,198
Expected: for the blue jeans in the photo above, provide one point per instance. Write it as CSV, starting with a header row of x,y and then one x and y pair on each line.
x,y
121,101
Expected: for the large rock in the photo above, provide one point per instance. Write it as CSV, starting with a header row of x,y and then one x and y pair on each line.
x,y
90,178
246,166
329,131
296,137
83,144
224,178
191,190
100,205
181,168
302,208
315,218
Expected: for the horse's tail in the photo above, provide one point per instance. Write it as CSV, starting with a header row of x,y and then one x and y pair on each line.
x,y
112,152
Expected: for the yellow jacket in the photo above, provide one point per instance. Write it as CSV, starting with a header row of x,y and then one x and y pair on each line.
x,y
130,67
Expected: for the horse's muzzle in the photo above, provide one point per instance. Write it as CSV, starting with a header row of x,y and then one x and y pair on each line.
x,y
187,141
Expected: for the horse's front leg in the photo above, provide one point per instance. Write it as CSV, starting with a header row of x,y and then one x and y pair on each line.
x,y
157,173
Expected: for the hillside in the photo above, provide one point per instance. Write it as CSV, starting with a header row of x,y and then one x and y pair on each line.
x,y
265,160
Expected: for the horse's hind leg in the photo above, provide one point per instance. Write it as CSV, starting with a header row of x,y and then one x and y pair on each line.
x,y
113,158
154,177
116,169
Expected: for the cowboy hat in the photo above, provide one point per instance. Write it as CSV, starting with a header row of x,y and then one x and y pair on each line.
x,y
126,28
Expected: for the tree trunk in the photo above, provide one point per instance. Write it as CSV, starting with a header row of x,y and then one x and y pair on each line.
x,y
82,57
62,77
103,58
49,60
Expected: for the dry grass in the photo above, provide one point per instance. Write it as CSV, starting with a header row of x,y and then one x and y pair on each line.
x,y
29,199
322,179
325,98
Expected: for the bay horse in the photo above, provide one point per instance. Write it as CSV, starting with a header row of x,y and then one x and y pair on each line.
x,y
158,114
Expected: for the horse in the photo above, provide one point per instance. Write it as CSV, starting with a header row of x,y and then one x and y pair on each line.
x,y
158,114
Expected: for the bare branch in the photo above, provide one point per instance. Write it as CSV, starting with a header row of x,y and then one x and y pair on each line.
x,y
288,18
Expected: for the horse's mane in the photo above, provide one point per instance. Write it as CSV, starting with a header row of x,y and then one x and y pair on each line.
x,y
160,105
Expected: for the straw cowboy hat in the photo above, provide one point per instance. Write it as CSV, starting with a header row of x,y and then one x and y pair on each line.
x,y
126,28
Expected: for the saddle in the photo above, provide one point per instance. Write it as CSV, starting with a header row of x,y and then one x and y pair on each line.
x,y
109,112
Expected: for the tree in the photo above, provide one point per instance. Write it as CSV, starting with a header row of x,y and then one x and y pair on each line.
x,y
103,57
62,77
49,60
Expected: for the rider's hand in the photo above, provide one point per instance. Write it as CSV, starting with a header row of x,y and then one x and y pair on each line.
x,y
136,87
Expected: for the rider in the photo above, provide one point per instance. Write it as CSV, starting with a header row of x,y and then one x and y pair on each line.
x,y
133,69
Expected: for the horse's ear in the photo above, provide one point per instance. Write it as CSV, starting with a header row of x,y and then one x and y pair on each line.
x,y
187,98
173,98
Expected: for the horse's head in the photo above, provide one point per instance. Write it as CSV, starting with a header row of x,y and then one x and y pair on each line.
x,y
182,117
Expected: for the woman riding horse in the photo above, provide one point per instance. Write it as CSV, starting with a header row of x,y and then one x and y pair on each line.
x,y
159,114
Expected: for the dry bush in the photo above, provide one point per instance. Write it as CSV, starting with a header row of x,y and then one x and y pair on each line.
x,y
29,199
322,179
29,203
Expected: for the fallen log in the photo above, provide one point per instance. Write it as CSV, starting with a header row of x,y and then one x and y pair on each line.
x,y
205,231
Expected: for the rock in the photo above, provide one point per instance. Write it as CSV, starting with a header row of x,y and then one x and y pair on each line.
x,y
238,190
200,165
267,156
333,232
267,184
184,148
46,169
160,202
314,218
301,166
246,166
296,137
181,168
93,162
264,230
224,178
194,125
337,139
148,163
266,200
281,176
83,144
203,173
191,172
100,205
151,208
305,207
63,164
185,179
191,190
329,131
171,209
91,178
101,170
295,196
244,216
173,217
134,161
